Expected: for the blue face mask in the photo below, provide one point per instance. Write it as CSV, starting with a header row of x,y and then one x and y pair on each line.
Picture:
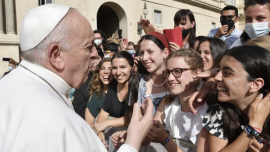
x,y
256,29
107,56
10,68
131,51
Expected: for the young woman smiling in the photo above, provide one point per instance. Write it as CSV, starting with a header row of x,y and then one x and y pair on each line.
x,y
183,126
240,120
115,101
99,86
211,50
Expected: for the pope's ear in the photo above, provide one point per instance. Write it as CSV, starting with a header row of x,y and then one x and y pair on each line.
x,y
55,55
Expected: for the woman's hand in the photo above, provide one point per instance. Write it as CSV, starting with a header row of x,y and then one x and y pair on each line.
x,y
254,146
99,126
174,47
259,110
157,133
119,137
102,138
147,27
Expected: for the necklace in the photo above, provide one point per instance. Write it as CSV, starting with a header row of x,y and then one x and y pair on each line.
x,y
44,81
154,84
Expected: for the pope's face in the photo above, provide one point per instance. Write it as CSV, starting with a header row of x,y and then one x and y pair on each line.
x,y
78,59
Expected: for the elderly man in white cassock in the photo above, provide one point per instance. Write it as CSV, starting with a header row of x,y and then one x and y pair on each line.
x,y
36,114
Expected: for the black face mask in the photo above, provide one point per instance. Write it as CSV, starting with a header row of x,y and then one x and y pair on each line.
x,y
228,22
185,33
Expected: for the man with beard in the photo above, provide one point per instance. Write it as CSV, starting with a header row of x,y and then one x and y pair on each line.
x,y
228,33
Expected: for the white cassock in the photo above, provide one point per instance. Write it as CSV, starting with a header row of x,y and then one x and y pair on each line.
x,y
34,118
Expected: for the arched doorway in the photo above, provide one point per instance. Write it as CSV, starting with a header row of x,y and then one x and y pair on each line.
x,y
110,18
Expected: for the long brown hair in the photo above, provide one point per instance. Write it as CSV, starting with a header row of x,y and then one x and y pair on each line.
x,y
95,84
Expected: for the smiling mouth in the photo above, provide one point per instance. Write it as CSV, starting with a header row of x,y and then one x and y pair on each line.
x,y
147,64
174,84
106,78
221,89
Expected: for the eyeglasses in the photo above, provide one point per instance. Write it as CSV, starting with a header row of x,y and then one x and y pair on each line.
x,y
223,17
177,72
249,2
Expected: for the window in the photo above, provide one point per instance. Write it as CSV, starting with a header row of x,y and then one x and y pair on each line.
x,y
7,17
213,25
230,2
158,16
43,2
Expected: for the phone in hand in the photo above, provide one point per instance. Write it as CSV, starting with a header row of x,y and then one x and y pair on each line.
x,y
119,33
6,59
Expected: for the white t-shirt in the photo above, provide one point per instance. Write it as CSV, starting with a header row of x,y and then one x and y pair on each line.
x,y
184,125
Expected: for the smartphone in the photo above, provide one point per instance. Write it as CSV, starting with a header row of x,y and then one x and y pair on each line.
x,y
119,33
6,59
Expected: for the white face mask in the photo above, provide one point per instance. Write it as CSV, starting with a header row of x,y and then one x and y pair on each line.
x,y
131,52
256,29
97,42
10,68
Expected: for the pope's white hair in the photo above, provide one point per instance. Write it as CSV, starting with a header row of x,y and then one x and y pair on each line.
x,y
60,35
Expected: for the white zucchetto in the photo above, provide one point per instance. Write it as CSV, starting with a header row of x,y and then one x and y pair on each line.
x,y
39,23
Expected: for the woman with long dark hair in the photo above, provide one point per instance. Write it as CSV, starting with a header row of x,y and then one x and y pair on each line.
x,y
240,120
99,85
185,19
211,50
115,101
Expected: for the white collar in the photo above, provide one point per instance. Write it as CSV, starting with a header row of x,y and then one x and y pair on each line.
x,y
57,82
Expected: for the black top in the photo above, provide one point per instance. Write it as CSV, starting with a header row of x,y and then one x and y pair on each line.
x,y
112,105
95,104
81,97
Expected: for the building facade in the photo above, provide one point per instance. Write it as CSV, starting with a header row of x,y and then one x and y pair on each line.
x,y
110,15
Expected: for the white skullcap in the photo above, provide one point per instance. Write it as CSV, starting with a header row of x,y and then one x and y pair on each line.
x,y
39,23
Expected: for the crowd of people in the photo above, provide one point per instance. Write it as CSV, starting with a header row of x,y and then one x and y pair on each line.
x,y
211,94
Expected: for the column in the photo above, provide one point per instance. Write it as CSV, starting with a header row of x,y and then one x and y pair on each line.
x,y
1,17
10,17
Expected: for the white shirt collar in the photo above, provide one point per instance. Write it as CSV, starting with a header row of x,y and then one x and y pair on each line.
x,y
57,82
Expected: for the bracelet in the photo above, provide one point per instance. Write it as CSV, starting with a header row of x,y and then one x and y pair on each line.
x,y
253,133
166,141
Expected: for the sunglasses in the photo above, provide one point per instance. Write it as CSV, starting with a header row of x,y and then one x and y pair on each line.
x,y
248,2
223,17
177,72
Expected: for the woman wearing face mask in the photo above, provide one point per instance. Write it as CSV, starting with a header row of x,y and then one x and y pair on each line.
x,y
240,121
257,17
185,19
115,101
211,50
99,86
